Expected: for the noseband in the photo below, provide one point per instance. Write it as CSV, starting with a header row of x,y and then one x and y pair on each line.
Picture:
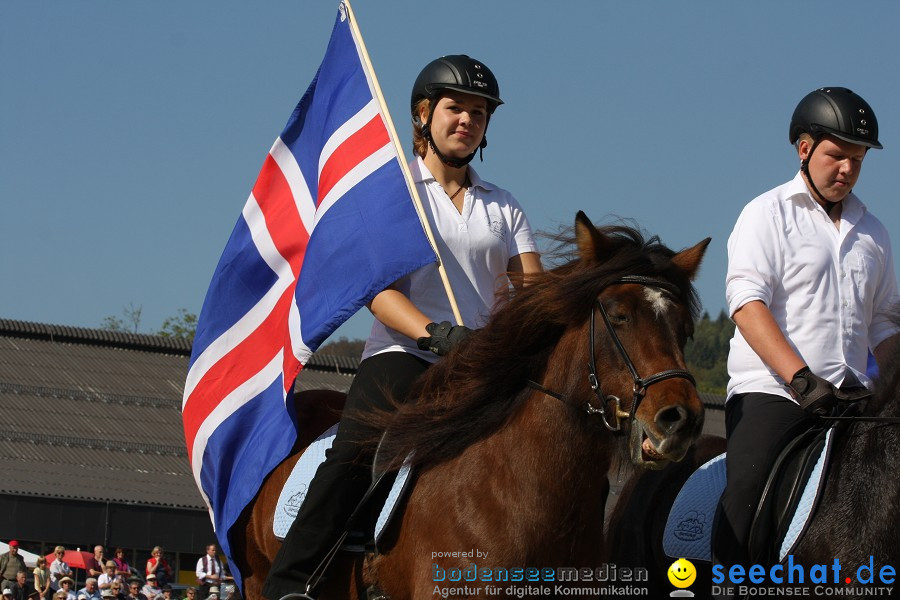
x,y
641,384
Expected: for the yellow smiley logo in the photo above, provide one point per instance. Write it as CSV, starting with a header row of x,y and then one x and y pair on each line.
x,y
682,573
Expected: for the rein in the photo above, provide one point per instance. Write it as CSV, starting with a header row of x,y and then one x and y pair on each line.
x,y
641,384
860,418
854,399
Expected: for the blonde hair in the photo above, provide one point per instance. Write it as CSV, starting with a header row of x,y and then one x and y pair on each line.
x,y
804,137
59,549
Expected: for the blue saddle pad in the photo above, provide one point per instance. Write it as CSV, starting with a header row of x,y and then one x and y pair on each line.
x,y
689,527
808,499
294,491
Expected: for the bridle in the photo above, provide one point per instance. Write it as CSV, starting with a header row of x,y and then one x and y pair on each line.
x,y
641,384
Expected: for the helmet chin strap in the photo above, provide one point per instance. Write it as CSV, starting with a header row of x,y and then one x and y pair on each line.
x,y
456,163
804,168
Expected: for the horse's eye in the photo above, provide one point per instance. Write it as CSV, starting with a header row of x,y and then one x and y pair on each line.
x,y
619,318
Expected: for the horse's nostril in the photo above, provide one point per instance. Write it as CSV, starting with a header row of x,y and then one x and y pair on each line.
x,y
671,419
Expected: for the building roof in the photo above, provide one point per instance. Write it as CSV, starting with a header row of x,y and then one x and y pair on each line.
x,y
91,414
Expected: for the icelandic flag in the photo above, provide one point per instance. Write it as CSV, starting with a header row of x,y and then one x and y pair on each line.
x,y
329,224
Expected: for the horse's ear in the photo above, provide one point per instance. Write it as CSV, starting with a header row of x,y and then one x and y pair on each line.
x,y
592,245
689,260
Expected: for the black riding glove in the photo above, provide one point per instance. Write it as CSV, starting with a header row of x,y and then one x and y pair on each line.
x,y
815,395
443,337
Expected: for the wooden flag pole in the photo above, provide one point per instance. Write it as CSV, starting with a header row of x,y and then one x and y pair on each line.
x,y
417,202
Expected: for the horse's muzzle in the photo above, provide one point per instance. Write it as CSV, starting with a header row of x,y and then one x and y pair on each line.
x,y
667,439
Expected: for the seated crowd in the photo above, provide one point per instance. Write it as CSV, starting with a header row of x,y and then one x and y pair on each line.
x,y
108,579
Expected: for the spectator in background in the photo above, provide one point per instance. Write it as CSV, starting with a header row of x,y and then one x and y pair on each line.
x,y
59,569
21,589
42,579
10,564
167,592
90,589
94,565
190,594
123,569
213,593
134,590
151,589
105,581
117,587
60,595
158,566
209,570
67,586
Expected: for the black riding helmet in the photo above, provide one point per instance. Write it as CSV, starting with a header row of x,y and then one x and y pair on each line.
x,y
456,72
836,111
833,111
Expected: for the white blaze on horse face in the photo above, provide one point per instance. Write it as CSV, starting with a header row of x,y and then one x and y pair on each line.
x,y
659,300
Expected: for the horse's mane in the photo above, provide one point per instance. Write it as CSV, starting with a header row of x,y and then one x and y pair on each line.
x,y
471,392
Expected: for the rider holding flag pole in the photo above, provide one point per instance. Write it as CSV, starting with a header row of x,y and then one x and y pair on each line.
x,y
481,233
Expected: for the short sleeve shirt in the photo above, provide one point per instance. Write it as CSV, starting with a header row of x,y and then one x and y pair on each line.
x,y
475,246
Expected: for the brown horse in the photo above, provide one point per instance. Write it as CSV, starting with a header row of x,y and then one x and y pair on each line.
x,y
513,432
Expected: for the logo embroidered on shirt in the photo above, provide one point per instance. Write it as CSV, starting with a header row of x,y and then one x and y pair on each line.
x,y
497,227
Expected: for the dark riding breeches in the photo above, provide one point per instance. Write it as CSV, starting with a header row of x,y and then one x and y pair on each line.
x,y
343,478
758,426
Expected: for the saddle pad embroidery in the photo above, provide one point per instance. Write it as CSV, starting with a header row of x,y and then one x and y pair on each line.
x,y
807,501
689,527
294,492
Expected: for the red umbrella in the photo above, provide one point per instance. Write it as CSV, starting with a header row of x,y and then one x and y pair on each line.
x,y
76,559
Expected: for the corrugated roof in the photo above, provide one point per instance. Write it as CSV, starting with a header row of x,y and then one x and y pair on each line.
x,y
96,415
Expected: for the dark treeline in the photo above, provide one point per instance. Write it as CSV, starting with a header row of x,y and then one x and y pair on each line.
x,y
706,354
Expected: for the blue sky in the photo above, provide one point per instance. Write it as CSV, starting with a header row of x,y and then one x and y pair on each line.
x,y
131,132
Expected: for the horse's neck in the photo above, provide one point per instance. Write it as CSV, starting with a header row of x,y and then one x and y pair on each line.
x,y
861,499
866,458
557,459
871,444
868,445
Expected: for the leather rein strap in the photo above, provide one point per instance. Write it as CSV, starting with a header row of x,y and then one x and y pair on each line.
x,y
640,383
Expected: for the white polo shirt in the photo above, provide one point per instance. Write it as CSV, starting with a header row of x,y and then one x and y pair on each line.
x,y
475,246
830,290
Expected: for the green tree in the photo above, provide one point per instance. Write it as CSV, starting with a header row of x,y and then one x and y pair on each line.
x,y
129,322
183,325
707,353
